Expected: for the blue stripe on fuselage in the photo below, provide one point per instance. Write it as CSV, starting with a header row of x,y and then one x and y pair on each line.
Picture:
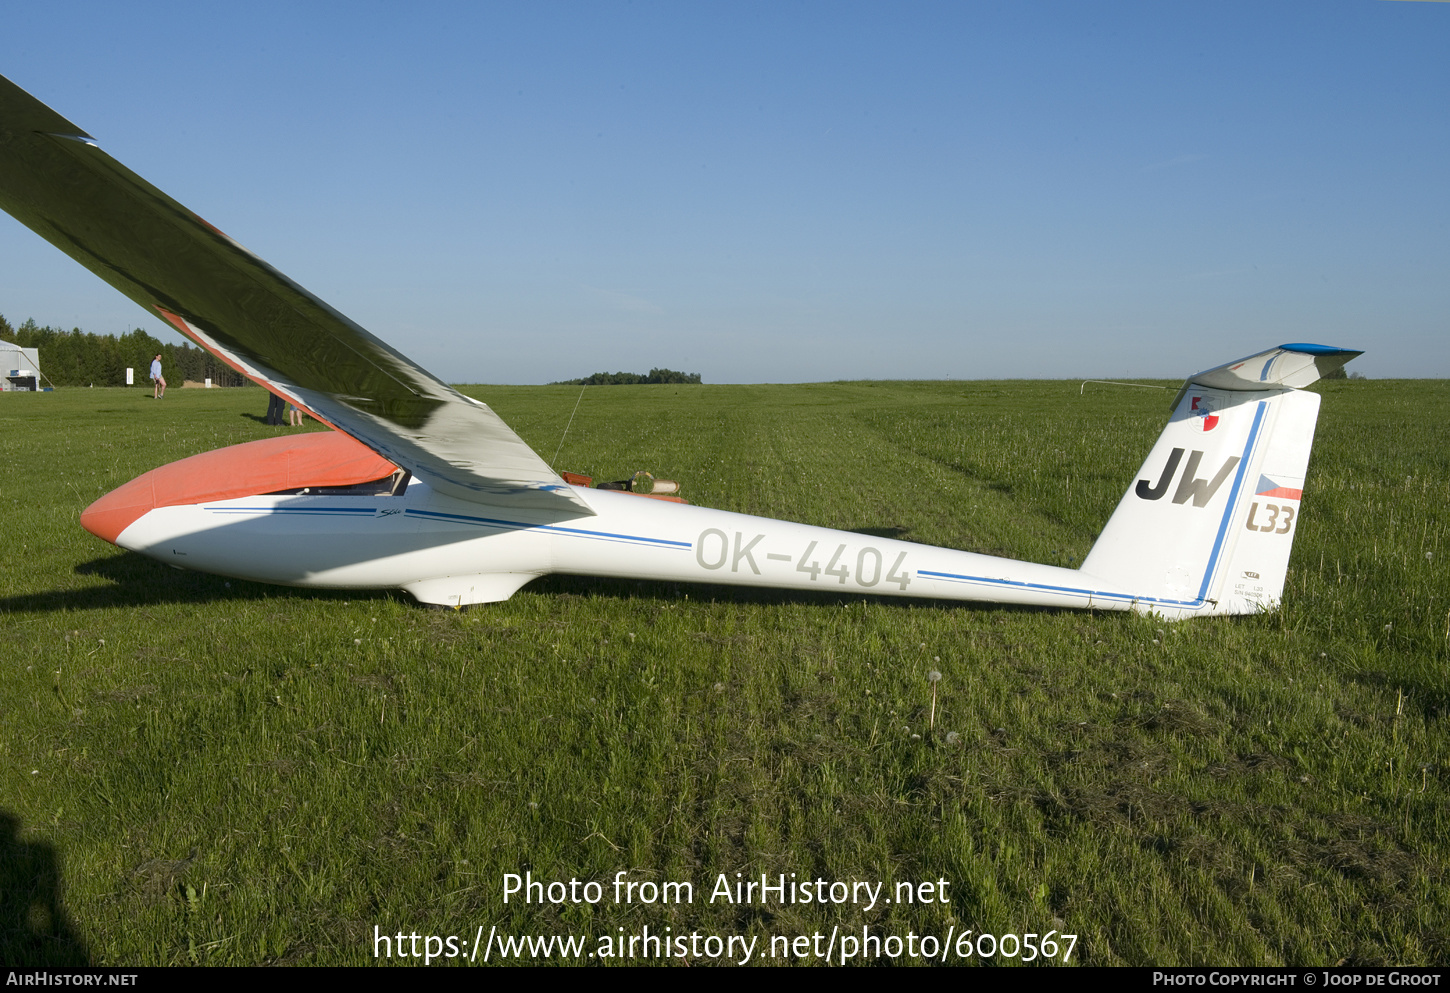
x,y
503,525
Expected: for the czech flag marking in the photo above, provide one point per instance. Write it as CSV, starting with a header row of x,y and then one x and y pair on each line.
x,y
1269,488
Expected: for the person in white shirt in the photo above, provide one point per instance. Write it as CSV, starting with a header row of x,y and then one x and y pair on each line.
x,y
158,381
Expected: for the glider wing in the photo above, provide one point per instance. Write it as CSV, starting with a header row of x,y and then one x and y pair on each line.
x,y
57,181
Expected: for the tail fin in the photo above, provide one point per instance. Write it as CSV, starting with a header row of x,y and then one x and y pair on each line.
x,y
1208,524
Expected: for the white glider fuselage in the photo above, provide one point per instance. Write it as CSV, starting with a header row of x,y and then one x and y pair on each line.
x,y
1205,528
448,551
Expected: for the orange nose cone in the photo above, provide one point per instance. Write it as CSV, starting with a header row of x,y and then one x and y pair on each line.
x,y
322,458
118,509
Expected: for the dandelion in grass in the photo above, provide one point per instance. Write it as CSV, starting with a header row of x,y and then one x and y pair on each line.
x,y
953,738
933,677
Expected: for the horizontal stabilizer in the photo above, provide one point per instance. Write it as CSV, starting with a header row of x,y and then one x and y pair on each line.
x,y
1294,365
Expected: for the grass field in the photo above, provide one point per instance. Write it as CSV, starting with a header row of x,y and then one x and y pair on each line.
x,y
196,770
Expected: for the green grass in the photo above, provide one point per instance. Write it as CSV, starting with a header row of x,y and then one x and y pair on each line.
x,y
196,770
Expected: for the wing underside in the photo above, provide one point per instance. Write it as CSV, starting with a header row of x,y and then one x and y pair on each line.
x,y
57,181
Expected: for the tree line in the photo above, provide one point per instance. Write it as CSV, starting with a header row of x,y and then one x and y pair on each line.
x,y
655,377
76,358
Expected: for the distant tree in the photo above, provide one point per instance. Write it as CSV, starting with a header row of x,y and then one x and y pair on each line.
x,y
609,379
655,377
670,376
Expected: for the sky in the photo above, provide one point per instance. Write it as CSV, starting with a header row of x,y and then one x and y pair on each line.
x,y
784,191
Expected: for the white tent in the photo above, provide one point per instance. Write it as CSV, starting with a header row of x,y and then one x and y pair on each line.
x,y
19,367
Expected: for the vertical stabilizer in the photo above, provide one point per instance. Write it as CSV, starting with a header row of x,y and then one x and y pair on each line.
x,y
1208,523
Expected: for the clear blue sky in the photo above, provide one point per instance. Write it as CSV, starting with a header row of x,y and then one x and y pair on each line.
x,y
785,192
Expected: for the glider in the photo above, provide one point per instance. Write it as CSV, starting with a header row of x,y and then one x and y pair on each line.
x,y
423,489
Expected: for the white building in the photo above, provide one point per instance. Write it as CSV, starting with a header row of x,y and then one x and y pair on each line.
x,y
19,367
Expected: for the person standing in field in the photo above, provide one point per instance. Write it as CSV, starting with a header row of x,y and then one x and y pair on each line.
x,y
158,381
